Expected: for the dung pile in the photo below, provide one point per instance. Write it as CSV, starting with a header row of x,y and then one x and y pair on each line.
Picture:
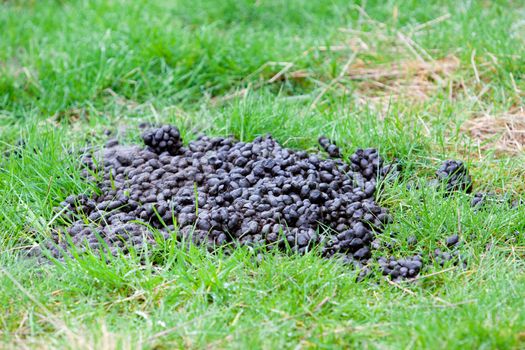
x,y
221,192
218,191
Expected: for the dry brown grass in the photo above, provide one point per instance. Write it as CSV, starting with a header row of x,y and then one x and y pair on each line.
x,y
505,133
413,75
411,79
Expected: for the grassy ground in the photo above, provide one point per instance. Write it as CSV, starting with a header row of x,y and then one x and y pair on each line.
x,y
421,81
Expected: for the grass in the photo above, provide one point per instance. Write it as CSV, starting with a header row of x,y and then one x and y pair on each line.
x,y
71,69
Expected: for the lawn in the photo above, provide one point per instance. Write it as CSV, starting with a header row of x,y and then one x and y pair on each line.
x,y
422,81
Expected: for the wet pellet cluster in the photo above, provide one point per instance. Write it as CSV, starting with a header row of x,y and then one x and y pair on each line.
x,y
329,147
454,175
218,191
401,268
451,254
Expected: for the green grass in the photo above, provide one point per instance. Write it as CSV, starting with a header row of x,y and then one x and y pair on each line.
x,y
71,69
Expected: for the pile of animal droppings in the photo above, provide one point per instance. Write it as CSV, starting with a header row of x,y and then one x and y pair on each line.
x,y
222,192
218,191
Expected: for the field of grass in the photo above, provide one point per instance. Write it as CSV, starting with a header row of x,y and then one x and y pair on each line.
x,y
422,81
